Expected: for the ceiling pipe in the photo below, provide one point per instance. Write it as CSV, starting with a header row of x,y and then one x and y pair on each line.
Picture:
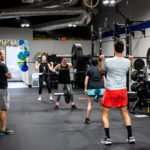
x,y
5,14
49,4
82,20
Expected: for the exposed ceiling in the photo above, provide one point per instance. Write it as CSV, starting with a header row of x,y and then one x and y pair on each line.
x,y
51,16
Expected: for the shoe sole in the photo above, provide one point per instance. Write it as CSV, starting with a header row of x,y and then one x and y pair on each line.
x,y
2,134
106,143
131,142
10,134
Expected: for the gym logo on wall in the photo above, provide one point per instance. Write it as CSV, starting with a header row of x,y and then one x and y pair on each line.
x,y
5,43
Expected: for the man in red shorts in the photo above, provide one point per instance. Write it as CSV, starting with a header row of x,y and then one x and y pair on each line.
x,y
115,94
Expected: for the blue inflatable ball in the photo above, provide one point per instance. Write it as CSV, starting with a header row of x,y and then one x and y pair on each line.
x,y
20,55
21,42
26,53
24,68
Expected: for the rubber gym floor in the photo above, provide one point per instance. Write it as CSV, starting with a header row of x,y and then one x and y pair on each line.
x,y
38,126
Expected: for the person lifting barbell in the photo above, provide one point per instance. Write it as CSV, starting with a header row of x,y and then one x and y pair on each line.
x,y
115,94
64,81
44,67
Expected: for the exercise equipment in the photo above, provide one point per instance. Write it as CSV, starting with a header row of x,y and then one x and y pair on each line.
x,y
21,42
140,86
138,63
78,58
137,75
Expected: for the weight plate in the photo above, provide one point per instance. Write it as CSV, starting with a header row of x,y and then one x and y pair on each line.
x,y
137,74
134,75
148,58
77,55
134,87
74,48
67,97
79,59
138,64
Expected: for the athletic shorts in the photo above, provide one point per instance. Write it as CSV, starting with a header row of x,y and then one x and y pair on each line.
x,y
4,99
115,98
95,92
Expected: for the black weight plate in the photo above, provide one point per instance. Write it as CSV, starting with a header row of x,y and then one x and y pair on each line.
x,y
73,59
79,59
134,87
77,55
148,58
67,97
139,64
134,75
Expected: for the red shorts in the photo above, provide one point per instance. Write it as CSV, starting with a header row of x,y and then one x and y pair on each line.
x,y
115,98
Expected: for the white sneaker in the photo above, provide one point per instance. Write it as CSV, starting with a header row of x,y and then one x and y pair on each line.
x,y
106,141
51,98
39,98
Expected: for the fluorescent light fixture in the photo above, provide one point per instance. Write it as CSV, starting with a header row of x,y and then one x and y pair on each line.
x,y
74,25
69,25
27,25
112,1
105,2
23,25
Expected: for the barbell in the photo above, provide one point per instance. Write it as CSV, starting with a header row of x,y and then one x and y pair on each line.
x,y
67,96
77,57
57,73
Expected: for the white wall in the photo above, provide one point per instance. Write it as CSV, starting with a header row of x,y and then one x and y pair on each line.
x,y
16,33
54,47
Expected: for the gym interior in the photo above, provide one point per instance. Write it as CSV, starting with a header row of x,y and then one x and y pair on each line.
x,y
78,30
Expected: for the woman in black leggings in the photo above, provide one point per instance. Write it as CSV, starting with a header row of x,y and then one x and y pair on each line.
x,y
44,67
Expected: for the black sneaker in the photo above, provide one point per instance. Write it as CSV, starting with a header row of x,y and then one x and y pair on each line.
x,y
87,121
6,132
73,107
131,140
106,141
56,107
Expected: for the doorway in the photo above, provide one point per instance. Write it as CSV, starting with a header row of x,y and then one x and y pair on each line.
x,y
12,63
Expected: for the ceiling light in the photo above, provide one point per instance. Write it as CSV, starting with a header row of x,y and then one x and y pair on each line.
x,y
105,2
69,25
74,25
112,1
22,25
27,25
